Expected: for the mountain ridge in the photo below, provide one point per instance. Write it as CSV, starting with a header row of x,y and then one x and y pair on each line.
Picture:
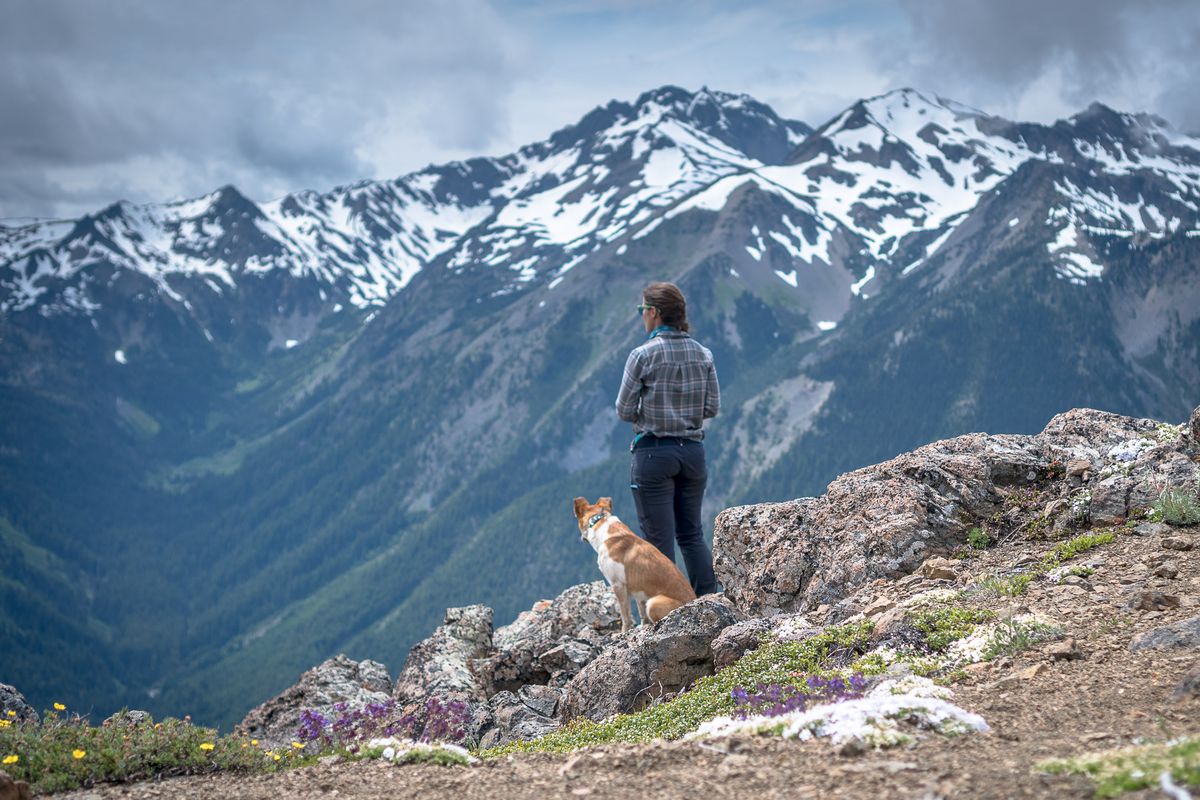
x,y
301,480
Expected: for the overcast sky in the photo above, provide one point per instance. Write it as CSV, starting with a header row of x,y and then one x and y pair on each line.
x,y
154,100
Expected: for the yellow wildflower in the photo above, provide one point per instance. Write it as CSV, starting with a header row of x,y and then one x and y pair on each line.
x,y
12,713
4,723
207,746
254,742
298,745
275,756
79,754
11,759
59,707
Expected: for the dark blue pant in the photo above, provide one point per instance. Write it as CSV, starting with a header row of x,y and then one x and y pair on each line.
x,y
668,477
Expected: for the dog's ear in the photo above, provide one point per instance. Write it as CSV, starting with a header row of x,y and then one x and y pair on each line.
x,y
580,505
605,503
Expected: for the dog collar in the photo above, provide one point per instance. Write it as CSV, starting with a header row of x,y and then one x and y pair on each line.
x,y
596,518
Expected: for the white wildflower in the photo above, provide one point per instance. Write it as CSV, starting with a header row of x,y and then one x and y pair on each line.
x,y
401,750
874,719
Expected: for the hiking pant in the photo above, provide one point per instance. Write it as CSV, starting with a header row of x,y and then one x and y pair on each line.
x,y
667,477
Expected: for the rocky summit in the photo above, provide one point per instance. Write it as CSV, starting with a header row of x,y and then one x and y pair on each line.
x,y
1019,616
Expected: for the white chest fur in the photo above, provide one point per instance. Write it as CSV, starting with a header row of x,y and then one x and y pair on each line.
x,y
612,570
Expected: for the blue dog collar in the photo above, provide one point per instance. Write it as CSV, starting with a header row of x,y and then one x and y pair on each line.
x,y
596,518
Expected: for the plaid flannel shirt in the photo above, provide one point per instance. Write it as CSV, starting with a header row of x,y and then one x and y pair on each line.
x,y
669,387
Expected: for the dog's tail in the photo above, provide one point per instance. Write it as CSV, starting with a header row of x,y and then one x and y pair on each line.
x,y
660,605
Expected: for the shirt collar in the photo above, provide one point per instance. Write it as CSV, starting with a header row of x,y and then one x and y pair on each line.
x,y
663,329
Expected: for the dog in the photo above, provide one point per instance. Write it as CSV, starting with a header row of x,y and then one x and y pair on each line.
x,y
631,565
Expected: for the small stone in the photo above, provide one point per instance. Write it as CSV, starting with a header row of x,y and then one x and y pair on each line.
x,y
1177,543
1189,686
939,569
1078,468
879,606
1149,600
1066,650
1029,673
852,747
1150,529
127,719
977,669
1168,570
1095,737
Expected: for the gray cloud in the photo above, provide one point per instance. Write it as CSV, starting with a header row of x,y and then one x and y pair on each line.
x,y
1030,55
101,97
149,100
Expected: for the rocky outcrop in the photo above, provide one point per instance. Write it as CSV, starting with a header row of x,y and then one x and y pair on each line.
x,y
338,680
886,520
442,665
551,642
650,661
14,701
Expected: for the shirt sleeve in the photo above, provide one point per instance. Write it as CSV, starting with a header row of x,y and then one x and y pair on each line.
x,y
712,393
630,396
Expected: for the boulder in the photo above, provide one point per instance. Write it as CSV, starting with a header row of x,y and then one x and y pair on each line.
x,y
14,701
338,680
526,714
551,642
1182,634
882,521
442,665
737,640
650,661
1194,426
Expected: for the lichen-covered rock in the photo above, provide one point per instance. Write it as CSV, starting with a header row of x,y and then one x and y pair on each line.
x,y
14,701
338,680
555,639
442,665
885,520
1194,426
520,716
650,661
128,719
737,640
880,521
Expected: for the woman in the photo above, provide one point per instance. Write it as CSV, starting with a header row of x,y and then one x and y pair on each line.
x,y
669,388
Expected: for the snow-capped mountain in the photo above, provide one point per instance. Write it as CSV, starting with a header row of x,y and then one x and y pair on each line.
x,y
882,186
586,184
